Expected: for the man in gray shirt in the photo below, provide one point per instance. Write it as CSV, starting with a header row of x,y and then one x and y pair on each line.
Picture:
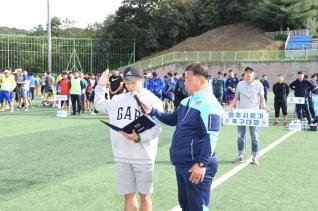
x,y
249,95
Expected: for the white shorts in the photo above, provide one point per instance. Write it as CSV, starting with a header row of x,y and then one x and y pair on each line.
x,y
134,178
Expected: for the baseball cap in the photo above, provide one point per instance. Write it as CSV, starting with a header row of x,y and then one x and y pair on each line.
x,y
133,74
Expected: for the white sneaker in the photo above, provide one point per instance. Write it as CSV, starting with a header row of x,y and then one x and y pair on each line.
x,y
255,161
239,159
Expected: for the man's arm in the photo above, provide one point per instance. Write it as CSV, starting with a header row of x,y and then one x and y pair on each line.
x,y
211,125
274,89
14,84
166,118
262,101
168,90
287,90
292,85
210,117
311,86
234,101
100,103
267,84
170,119
82,84
262,98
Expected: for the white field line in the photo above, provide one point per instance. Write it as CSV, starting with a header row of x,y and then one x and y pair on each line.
x,y
240,167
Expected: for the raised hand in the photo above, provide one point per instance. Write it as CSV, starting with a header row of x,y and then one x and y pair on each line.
x,y
104,78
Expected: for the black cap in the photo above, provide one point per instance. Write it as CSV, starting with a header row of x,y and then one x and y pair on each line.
x,y
133,74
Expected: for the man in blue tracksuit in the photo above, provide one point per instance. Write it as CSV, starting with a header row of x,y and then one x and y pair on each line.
x,y
218,86
192,152
156,85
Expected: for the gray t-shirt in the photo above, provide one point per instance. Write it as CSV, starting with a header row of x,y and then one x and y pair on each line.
x,y
249,94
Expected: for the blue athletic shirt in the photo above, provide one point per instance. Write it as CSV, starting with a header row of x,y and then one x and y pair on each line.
x,y
156,85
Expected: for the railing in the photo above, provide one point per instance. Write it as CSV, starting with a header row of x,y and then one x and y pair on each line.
x,y
298,32
229,56
287,41
314,45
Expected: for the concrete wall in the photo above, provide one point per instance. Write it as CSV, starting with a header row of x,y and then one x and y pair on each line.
x,y
272,69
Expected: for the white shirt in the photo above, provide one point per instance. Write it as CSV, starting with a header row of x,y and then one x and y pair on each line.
x,y
249,94
123,109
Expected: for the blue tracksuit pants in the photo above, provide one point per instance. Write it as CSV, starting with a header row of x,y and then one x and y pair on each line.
x,y
191,196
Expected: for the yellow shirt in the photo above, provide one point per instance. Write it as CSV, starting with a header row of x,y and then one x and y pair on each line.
x,y
8,83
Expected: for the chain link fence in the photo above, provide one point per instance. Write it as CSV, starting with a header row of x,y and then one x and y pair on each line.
x,y
92,55
230,56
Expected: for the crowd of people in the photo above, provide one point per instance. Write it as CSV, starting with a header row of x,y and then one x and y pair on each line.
x,y
19,86
22,87
171,90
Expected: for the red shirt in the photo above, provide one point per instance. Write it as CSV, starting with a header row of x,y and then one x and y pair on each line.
x,y
65,85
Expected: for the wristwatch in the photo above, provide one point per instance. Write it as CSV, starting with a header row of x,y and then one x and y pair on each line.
x,y
202,165
138,139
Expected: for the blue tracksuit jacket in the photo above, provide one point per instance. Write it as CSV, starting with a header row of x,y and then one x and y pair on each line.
x,y
156,86
198,122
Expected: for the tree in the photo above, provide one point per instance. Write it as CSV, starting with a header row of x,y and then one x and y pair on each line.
x,y
216,13
209,16
179,16
131,23
280,14
56,26
38,31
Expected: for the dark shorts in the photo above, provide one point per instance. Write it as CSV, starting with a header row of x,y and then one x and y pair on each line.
x,y
87,95
91,97
66,101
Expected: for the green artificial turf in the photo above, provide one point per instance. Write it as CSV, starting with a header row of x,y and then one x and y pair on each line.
x,y
49,163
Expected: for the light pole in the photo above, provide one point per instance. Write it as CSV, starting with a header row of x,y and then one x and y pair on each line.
x,y
49,39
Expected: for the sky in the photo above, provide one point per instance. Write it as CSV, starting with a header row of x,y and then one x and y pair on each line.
x,y
26,14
